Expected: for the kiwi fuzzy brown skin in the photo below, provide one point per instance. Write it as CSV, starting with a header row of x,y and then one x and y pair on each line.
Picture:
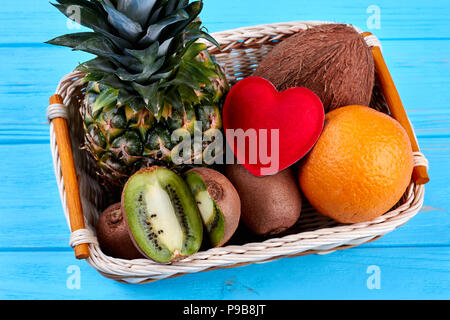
x,y
112,234
332,60
270,204
225,196
159,253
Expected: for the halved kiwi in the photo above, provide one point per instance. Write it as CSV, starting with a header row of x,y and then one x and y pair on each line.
x,y
218,203
163,218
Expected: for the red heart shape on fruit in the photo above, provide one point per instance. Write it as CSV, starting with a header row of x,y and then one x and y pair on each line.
x,y
268,130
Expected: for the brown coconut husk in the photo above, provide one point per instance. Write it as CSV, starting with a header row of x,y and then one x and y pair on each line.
x,y
333,60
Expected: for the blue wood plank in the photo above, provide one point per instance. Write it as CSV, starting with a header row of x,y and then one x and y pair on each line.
x,y
420,68
33,75
36,20
405,273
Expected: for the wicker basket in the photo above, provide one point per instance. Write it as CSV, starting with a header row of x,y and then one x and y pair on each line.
x,y
242,49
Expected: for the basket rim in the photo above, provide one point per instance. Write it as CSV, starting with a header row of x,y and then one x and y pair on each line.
x,y
232,38
333,238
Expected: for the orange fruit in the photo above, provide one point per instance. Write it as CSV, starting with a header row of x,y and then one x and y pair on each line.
x,y
360,167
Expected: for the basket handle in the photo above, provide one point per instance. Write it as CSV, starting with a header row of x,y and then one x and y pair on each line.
x,y
69,175
420,173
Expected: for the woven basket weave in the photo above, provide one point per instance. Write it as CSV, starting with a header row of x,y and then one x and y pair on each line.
x,y
242,49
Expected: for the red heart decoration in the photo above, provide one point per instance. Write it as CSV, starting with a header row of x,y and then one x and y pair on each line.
x,y
260,111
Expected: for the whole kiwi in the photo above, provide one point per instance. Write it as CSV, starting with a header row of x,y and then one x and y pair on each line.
x,y
113,236
333,60
218,202
269,204
163,218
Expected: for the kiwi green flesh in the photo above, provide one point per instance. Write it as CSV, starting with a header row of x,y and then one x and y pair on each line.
x,y
163,217
210,212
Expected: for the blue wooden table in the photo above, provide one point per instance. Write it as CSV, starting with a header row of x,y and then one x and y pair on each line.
x,y
412,262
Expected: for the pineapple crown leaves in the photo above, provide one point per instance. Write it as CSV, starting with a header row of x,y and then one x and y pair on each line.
x,y
145,49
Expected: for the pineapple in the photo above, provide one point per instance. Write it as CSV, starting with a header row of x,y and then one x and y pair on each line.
x,y
150,78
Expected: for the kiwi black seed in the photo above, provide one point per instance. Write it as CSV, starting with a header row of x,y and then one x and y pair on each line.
x,y
113,236
163,218
218,203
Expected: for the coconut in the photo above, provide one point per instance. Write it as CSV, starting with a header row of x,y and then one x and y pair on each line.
x,y
333,60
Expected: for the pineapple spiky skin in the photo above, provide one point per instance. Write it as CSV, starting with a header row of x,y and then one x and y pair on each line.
x,y
123,139
150,78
